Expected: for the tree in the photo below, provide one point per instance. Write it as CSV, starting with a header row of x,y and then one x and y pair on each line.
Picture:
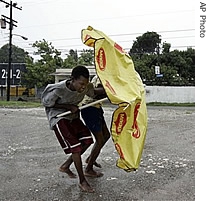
x,y
18,54
39,72
166,47
183,62
86,57
188,71
144,67
71,60
148,43
177,67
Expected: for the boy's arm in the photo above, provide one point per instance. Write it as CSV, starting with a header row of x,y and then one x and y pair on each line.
x,y
99,92
70,107
49,100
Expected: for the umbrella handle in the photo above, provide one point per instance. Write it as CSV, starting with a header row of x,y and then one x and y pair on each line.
x,y
82,107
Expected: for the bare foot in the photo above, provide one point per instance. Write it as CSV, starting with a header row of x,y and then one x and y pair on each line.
x,y
92,173
95,163
85,187
69,172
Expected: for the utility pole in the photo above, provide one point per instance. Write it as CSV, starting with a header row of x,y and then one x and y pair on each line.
x,y
11,24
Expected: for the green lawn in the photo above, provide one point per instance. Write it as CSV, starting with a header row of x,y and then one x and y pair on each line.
x,y
30,104
19,104
172,104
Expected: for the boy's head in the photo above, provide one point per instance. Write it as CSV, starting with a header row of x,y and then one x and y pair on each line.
x,y
80,78
80,71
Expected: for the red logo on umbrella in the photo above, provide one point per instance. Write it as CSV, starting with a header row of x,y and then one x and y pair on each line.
x,y
136,133
120,122
101,59
119,150
109,86
118,47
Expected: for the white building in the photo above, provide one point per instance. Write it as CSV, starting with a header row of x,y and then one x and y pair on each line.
x,y
64,73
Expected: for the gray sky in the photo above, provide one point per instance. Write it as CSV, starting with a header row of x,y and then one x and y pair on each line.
x,y
61,22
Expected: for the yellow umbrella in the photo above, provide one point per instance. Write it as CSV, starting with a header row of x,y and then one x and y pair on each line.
x,y
124,88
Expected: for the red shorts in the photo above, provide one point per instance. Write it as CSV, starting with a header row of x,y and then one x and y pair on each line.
x,y
72,135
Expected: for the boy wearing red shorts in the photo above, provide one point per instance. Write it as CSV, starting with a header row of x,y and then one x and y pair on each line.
x,y
73,136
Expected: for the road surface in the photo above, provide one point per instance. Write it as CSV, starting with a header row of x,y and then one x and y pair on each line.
x,y
30,156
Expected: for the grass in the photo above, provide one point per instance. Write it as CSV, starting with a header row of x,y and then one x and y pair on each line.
x,y
19,104
172,104
31,104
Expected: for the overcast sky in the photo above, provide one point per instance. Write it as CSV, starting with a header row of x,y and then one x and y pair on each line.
x,y
61,21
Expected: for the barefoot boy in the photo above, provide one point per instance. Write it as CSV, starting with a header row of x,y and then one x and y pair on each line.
x,y
73,136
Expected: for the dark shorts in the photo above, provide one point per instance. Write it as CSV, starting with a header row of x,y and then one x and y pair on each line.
x,y
93,118
71,135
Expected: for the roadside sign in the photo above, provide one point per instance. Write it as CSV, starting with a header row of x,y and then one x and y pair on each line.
x,y
15,73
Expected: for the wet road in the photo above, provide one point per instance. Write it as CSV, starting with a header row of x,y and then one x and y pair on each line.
x,y
30,156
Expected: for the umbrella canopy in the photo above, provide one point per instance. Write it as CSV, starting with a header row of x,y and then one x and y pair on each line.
x,y
124,88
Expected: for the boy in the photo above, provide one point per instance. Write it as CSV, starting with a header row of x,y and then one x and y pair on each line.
x,y
94,119
73,136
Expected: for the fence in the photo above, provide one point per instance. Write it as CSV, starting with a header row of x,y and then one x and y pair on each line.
x,y
164,94
17,91
170,94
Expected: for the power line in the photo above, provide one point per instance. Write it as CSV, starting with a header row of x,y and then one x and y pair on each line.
x,y
63,51
125,34
123,41
182,30
60,47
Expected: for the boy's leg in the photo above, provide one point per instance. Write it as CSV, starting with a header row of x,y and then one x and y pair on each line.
x,y
94,154
106,133
93,118
66,134
95,163
60,129
83,184
65,167
101,139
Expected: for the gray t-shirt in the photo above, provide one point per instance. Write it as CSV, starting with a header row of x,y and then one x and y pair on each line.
x,y
59,93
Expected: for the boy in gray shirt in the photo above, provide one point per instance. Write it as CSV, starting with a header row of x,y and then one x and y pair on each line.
x,y
73,136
